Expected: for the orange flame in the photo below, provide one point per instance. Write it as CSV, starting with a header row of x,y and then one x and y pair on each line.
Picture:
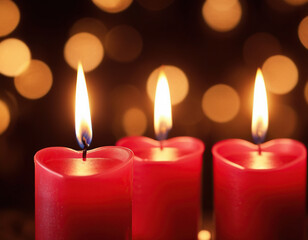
x,y
162,108
259,123
83,126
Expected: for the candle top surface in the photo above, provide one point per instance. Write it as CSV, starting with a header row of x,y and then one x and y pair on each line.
x,y
174,149
158,154
275,154
68,162
265,160
78,167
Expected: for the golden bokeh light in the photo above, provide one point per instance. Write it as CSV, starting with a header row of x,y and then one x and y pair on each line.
x,y
112,6
280,74
222,15
4,116
9,17
85,48
155,5
259,47
178,83
15,57
89,25
123,43
303,32
134,122
283,121
306,91
296,2
220,103
204,235
35,82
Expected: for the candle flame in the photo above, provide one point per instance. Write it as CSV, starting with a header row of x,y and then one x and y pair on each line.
x,y
162,108
83,126
260,110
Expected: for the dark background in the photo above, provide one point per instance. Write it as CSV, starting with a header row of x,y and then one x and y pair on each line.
x,y
176,35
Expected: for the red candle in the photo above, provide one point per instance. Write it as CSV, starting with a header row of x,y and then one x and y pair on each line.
x,y
83,195
259,190
166,178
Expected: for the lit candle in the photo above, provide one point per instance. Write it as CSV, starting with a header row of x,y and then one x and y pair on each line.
x,y
166,185
259,190
80,194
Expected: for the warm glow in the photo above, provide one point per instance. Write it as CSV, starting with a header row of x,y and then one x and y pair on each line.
x,y
204,235
296,2
177,80
306,92
280,74
9,17
162,108
35,82
83,126
85,48
221,103
15,57
167,154
259,123
134,122
303,32
222,15
112,6
4,116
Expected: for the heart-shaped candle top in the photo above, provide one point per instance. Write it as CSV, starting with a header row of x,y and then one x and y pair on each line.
x,y
68,162
174,149
276,153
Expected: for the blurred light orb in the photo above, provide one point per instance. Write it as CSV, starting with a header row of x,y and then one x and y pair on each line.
x,y
306,91
9,17
35,82
283,121
4,116
221,103
204,235
177,79
259,47
86,48
134,122
155,5
89,25
296,2
123,43
280,74
15,57
222,15
112,6
303,32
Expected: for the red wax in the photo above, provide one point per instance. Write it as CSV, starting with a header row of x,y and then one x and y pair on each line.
x,y
260,197
166,187
78,200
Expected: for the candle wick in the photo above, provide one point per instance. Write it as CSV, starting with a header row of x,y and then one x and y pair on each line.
x,y
259,149
85,149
